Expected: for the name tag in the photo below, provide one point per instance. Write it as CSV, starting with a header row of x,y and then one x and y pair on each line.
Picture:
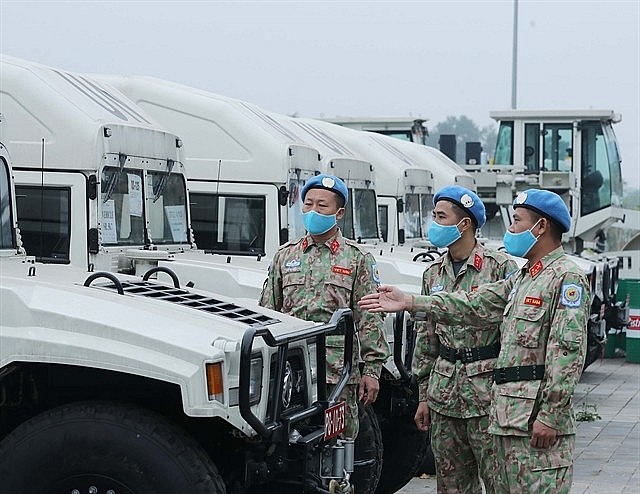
x,y
340,270
537,302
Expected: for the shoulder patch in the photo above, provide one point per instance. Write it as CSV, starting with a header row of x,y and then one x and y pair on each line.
x,y
438,287
571,295
375,274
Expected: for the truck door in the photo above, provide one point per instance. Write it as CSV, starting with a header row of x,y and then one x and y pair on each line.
x,y
52,209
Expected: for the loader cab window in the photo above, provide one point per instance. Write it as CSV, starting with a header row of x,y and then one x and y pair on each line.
x,y
229,224
532,147
383,216
600,168
504,146
397,134
44,219
167,208
558,143
121,207
6,222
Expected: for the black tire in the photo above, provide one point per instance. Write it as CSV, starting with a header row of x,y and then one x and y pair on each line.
x,y
107,445
405,448
368,452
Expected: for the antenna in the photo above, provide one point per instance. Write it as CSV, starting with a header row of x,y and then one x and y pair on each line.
x,y
42,199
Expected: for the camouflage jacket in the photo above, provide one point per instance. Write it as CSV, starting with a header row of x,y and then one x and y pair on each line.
x,y
460,390
543,310
309,281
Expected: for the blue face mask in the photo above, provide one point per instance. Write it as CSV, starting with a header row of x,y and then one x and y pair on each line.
x,y
316,223
443,235
519,244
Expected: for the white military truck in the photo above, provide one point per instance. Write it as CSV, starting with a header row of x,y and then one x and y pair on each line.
x,y
101,186
221,153
114,384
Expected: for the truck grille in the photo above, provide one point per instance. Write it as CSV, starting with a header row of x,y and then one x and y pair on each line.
x,y
195,301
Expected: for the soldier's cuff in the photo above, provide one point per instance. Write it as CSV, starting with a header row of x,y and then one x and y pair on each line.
x,y
420,305
372,369
546,418
422,392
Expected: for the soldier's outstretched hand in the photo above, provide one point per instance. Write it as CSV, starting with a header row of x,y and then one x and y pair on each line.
x,y
387,299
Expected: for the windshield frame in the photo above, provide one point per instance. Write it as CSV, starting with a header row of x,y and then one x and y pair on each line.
x,y
7,213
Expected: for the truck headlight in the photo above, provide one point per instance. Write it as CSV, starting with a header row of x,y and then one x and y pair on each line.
x,y
255,380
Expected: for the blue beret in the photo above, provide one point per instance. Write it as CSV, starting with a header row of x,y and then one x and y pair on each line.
x,y
328,182
466,199
548,204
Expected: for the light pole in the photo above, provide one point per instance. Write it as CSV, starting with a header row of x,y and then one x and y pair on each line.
x,y
514,57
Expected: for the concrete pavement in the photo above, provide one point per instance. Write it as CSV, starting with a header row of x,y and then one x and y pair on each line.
x,y
607,455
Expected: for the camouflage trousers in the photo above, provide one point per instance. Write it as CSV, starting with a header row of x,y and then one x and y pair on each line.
x,y
350,396
463,450
523,468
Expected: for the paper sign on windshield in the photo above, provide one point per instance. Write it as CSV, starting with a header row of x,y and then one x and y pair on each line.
x,y
177,218
135,194
108,223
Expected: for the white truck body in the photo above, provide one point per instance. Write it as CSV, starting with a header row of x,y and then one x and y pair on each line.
x,y
68,334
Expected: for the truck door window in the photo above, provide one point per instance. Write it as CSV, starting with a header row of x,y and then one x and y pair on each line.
x,y
532,147
6,227
504,146
226,223
596,183
558,142
44,219
122,207
346,223
167,209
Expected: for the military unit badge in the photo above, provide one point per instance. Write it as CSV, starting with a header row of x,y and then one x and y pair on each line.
x,y
571,295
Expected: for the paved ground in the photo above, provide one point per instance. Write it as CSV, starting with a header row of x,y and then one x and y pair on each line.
x,y
608,449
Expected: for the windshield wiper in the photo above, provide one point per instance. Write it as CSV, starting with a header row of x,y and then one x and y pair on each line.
x,y
111,184
158,188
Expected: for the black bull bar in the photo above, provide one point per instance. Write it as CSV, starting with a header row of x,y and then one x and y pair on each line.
x,y
341,323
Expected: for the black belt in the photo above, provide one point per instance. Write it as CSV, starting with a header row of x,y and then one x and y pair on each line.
x,y
466,355
520,373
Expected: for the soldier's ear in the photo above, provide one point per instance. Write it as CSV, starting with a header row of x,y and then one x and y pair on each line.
x,y
340,213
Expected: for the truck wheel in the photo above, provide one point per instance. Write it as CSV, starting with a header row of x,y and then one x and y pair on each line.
x,y
104,447
405,448
368,452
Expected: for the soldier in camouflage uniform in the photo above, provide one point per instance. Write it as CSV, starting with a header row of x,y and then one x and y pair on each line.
x,y
313,276
544,309
455,395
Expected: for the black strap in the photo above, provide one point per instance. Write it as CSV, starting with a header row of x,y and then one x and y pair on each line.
x,y
520,373
466,355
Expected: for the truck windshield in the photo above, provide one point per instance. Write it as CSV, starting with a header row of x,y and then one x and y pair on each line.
x,y
121,207
167,208
417,215
228,223
6,228
365,213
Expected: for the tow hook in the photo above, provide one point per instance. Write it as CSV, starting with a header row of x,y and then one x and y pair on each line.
x,y
340,486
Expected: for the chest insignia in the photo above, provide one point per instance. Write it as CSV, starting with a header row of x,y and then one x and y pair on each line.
x,y
477,262
437,288
340,270
292,264
571,295
537,302
537,267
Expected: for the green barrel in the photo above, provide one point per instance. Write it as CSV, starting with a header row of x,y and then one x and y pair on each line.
x,y
632,289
